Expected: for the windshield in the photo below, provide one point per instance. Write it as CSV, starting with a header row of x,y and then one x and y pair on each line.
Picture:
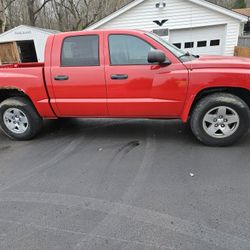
x,y
183,56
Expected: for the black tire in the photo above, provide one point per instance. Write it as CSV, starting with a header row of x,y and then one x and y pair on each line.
x,y
220,100
34,121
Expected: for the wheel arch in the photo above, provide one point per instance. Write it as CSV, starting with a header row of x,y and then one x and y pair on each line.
x,y
13,98
242,93
9,92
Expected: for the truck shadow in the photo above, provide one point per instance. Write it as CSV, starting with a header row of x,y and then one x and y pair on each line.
x,y
169,130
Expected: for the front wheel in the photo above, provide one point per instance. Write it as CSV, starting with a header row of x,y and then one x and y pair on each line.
x,y
19,119
220,119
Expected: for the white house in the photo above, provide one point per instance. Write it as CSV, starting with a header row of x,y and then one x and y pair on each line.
x,y
30,41
195,25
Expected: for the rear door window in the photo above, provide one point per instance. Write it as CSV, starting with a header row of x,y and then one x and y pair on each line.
x,y
80,51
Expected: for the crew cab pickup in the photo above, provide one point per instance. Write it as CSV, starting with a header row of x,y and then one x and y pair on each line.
x,y
127,74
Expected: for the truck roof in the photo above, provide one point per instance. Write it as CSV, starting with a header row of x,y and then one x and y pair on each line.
x,y
101,31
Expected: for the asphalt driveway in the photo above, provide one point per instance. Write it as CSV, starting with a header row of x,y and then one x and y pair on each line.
x,y
123,184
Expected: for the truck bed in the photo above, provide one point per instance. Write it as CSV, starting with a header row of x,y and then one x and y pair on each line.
x,y
27,79
22,65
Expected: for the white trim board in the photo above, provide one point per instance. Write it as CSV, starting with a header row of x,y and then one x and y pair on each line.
x,y
46,31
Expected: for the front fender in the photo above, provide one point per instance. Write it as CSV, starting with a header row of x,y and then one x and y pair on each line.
x,y
213,80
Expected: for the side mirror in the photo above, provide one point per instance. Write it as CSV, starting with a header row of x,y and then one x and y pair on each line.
x,y
158,56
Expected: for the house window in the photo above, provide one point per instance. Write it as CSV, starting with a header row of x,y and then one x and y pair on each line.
x,y
80,51
247,28
189,45
201,43
178,45
161,32
215,42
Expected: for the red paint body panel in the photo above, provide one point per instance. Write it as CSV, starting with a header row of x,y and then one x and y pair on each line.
x,y
30,81
21,65
214,72
150,91
84,94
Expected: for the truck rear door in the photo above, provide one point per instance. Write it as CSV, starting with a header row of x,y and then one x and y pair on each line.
x,y
77,75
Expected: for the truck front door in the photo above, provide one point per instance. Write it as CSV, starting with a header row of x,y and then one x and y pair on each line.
x,y
136,88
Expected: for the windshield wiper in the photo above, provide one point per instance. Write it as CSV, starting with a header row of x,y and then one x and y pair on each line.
x,y
188,54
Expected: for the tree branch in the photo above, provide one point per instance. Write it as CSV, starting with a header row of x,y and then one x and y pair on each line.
x,y
41,7
7,6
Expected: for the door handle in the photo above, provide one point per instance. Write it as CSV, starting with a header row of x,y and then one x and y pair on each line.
x,y
119,77
61,78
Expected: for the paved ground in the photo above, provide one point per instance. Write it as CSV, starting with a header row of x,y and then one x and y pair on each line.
x,y
123,184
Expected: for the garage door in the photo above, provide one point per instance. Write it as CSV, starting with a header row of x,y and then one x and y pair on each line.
x,y
200,41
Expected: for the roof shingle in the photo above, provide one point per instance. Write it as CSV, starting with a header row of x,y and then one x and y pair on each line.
x,y
245,11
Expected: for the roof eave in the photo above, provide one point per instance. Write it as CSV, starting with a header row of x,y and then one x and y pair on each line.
x,y
221,10
203,3
30,27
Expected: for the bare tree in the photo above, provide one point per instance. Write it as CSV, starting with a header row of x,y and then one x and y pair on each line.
x,y
4,5
82,12
225,3
59,12
63,15
34,8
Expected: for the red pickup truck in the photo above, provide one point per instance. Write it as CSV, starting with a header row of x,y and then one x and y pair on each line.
x,y
126,73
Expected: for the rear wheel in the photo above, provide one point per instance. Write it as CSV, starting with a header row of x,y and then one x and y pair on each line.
x,y
19,119
220,119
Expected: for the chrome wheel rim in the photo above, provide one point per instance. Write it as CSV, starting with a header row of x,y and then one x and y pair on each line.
x,y
15,120
221,122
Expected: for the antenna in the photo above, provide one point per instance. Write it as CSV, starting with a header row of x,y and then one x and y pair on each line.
x,y
161,4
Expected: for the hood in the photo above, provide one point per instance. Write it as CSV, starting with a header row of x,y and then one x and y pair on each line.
x,y
219,62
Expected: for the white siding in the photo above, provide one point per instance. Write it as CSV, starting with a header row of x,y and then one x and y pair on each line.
x,y
182,14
